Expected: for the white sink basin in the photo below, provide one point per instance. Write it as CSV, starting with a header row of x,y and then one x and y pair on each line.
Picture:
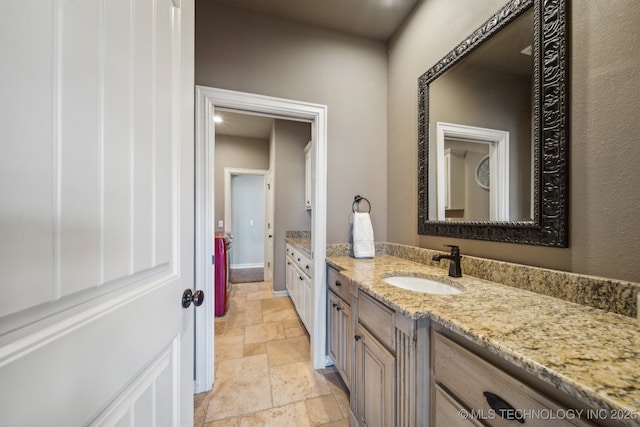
x,y
420,284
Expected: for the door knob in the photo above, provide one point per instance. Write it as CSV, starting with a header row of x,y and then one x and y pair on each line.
x,y
188,297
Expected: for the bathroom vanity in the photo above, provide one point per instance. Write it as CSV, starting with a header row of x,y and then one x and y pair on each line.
x,y
491,355
299,279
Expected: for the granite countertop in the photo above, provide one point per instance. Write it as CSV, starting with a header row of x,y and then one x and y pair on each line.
x,y
301,242
586,352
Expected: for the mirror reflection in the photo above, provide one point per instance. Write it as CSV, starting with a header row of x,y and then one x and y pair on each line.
x,y
480,131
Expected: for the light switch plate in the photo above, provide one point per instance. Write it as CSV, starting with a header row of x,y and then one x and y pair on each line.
x,y
220,223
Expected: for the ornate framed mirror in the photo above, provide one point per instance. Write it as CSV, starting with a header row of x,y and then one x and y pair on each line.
x,y
509,75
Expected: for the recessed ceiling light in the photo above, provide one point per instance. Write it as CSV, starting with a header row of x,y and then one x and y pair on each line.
x,y
217,119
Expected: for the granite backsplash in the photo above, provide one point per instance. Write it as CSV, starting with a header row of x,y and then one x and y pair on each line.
x,y
611,295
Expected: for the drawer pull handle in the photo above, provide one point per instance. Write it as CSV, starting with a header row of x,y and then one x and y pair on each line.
x,y
503,408
338,283
357,337
334,305
338,308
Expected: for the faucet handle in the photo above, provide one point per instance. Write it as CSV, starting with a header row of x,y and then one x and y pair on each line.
x,y
454,248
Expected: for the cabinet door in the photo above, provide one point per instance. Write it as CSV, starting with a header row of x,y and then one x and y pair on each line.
x,y
299,296
289,276
375,381
346,341
333,330
307,301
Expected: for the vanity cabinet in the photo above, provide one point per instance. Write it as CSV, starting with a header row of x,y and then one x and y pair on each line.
x,y
382,355
375,376
463,381
339,324
299,283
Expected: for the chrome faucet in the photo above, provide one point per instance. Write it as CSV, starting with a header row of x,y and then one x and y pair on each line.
x,y
455,269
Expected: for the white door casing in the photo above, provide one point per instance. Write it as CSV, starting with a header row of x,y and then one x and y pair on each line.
x,y
96,220
498,141
207,99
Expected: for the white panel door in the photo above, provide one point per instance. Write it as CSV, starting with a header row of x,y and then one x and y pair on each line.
x,y
96,212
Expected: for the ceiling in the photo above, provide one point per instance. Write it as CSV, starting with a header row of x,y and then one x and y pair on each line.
x,y
244,125
375,19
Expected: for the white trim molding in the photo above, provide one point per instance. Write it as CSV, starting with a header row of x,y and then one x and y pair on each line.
x,y
207,100
498,141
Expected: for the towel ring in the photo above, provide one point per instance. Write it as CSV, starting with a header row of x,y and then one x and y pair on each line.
x,y
355,207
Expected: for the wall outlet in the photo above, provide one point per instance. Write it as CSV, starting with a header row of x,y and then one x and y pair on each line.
x,y
220,223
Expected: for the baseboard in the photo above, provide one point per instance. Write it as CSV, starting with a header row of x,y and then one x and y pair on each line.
x,y
279,294
242,266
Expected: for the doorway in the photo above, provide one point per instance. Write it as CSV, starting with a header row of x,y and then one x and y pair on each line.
x,y
207,101
246,219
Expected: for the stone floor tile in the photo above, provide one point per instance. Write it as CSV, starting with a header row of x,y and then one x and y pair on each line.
x,y
241,386
296,381
290,415
288,350
228,347
254,349
323,409
263,332
227,422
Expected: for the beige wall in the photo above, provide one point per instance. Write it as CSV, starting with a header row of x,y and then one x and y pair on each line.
x,y
604,151
236,152
289,139
249,52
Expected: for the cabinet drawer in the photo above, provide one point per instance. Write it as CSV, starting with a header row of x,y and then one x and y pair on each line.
x,y
468,377
339,285
378,319
302,261
449,413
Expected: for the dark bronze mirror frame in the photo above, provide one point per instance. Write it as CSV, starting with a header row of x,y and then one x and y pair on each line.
x,y
549,225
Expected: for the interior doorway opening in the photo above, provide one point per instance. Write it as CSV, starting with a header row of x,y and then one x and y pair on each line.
x,y
246,219
209,100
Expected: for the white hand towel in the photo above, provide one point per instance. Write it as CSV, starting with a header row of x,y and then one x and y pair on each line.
x,y
363,246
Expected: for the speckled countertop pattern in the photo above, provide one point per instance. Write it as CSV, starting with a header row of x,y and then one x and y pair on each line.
x,y
301,243
586,352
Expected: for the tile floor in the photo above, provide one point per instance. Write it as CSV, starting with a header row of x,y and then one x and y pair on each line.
x,y
263,373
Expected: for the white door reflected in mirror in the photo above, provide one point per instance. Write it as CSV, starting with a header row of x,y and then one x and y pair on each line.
x,y
472,166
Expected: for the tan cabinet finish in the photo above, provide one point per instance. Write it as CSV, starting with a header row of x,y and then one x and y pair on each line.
x,y
387,357
447,411
375,381
468,377
340,336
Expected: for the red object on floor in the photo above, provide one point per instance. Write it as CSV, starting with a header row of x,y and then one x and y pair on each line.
x,y
221,287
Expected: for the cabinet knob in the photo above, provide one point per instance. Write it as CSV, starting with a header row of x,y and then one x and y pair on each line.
x,y
298,259
338,308
357,337
334,305
338,283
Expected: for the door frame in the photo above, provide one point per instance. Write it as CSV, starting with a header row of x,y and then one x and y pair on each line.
x,y
228,224
207,100
498,141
